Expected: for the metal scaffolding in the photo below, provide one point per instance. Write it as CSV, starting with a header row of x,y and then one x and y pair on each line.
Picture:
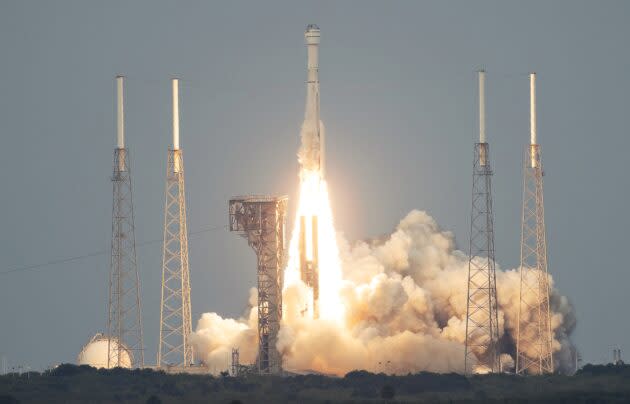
x,y
124,321
235,362
175,314
482,322
534,337
262,221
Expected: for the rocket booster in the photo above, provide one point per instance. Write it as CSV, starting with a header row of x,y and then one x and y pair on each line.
x,y
309,258
311,117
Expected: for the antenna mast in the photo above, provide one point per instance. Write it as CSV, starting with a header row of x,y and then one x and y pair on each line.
x,y
175,313
124,321
482,324
534,353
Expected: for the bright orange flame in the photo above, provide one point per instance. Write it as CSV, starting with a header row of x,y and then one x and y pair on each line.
x,y
314,201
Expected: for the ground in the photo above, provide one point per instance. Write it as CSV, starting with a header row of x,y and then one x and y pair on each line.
x,y
74,384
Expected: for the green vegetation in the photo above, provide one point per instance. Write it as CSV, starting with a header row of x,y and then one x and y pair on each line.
x,y
78,384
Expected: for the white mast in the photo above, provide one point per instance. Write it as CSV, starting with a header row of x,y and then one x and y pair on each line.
x,y
482,106
175,114
120,113
532,117
532,107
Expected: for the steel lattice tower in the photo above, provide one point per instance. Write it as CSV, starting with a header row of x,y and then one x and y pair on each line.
x,y
482,323
235,362
534,337
175,313
124,322
262,221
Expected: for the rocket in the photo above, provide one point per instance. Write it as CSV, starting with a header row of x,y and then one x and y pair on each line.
x,y
312,159
312,124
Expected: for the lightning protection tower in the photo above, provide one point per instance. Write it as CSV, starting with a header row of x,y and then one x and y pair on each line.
x,y
482,324
124,321
235,362
175,315
534,354
262,221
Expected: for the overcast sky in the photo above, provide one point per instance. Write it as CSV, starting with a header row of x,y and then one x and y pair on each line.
x,y
398,97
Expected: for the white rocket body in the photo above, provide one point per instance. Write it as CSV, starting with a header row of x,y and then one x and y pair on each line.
x,y
311,116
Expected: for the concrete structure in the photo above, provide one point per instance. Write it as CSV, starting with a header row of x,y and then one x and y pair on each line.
x,y
95,353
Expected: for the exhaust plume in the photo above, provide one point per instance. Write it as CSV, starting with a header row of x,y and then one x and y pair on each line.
x,y
404,297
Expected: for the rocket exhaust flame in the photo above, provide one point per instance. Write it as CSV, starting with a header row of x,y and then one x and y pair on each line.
x,y
313,252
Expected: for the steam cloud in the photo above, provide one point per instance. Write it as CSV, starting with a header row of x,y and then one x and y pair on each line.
x,y
405,304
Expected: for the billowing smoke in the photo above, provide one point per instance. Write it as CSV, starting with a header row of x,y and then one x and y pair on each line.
x,y
216,336
405,311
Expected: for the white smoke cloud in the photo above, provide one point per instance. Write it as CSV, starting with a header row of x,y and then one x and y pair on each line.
x,y
405,309
216,336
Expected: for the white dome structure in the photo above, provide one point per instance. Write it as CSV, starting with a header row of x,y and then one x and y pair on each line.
x,y
94,353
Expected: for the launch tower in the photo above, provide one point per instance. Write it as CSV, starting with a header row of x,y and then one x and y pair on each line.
x,y
482,330
124,321
175,314
534,338
262,221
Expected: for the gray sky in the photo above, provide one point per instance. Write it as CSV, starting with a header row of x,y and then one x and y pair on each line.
x,y
398,99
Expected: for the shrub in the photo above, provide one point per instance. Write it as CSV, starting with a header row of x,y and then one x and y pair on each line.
x,y
154,400
387,392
